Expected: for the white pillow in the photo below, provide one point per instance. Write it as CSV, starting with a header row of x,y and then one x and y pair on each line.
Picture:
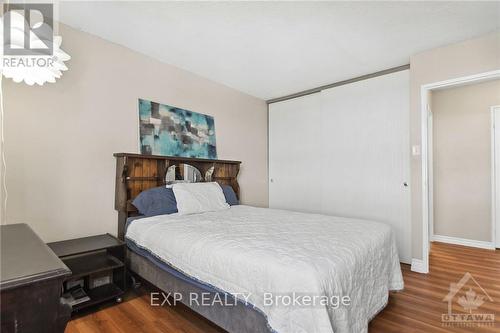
x,y
199,198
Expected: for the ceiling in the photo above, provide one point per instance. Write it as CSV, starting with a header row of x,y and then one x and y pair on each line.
x,y
271,49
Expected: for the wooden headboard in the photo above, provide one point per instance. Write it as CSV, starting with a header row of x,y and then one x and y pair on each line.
x,y
136,173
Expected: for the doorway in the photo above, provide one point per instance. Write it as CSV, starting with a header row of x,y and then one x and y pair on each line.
x,y
428,176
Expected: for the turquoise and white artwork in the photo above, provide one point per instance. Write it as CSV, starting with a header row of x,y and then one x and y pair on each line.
x,y
172,131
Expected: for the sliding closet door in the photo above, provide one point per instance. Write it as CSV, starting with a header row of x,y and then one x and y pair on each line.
x,y
367,153
294,150
345,152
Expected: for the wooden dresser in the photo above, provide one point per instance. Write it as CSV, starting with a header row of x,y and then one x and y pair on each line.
x,y
31,279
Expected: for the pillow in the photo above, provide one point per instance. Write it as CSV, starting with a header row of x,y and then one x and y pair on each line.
x,y
199,198
231,198
156,201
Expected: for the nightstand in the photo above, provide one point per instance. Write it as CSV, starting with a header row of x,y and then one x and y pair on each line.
x,y
98,267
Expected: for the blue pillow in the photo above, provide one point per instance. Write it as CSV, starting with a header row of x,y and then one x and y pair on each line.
x,y
156,201
231,198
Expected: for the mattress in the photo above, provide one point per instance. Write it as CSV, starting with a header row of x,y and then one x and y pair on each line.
x,y
169,269
261,254
240,317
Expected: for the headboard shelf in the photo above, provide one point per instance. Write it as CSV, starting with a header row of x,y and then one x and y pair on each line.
x,y
136,173
175,158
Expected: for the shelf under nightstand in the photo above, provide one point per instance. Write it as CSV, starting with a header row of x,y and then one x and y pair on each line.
x,y
90,257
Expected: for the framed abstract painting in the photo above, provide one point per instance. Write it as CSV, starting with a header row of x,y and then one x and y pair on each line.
x,y
172,131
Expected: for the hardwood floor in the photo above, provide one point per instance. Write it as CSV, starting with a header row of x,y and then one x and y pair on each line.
x,y
135,315
417,309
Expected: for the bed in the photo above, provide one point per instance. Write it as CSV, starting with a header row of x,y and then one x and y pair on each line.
x,y
256,259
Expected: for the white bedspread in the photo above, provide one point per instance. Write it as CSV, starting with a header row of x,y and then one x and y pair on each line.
x,y
260,251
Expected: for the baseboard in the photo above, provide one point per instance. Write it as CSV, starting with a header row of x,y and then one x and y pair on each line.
x,y
463,242
417,265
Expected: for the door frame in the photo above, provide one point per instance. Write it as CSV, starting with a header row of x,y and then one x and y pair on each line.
x,y
427,208
495,178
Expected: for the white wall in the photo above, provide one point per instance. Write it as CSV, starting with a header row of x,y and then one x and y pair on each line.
x,y
462,160
60,137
